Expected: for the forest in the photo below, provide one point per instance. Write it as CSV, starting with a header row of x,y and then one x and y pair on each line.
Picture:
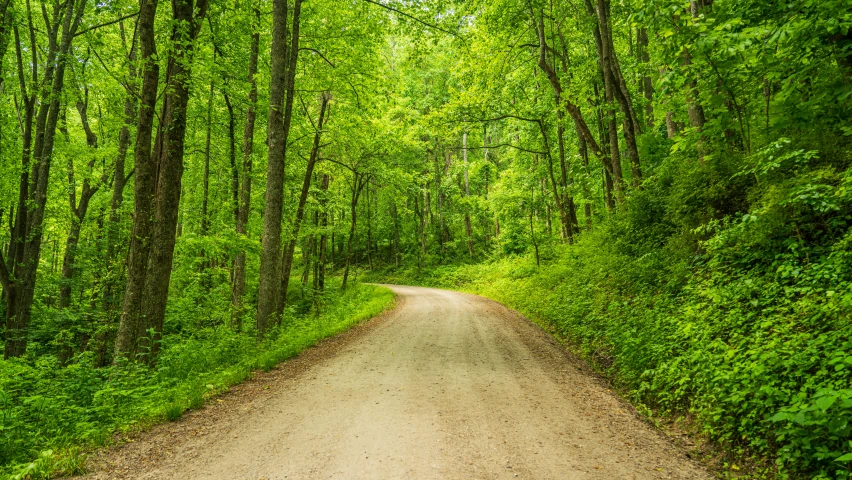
x,y
195,189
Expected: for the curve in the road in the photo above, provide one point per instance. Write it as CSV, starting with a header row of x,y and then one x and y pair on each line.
x,y
445,386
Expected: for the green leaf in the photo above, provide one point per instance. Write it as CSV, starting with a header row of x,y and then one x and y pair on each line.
x,y
780,417
824,403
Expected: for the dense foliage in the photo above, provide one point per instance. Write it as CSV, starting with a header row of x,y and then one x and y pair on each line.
x,y
665,183
47,409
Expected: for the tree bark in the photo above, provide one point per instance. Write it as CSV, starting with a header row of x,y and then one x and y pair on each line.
x,y
239,283
17,222
130,327
78,210
205,184
287,260
694,109
281,91
320,276
164,185
467,227
131,93
396,253
603,130
616,89
169,149
18,315
358,182
572,109
370,229
584,154
646,82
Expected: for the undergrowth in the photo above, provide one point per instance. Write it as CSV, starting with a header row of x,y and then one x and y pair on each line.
x,y
50,414
721,293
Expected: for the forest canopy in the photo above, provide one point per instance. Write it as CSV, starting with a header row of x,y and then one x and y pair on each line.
x,y
666,183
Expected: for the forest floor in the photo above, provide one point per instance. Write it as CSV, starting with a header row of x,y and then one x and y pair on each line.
x,y
446,385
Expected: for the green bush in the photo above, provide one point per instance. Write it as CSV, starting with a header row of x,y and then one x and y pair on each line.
x,y
722,292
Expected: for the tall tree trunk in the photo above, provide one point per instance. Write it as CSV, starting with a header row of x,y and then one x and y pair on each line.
x,y
567,227
603,130
694,109
131,95
232,157
130,327
616,89
18,316
281,91
571,107
615,157
239,284
567,207
287,260
307,257
17,216
532,226
165,184
5,26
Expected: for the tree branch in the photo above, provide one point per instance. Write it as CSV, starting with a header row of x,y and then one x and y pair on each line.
x,y
318,53
522,149
412,17
106,24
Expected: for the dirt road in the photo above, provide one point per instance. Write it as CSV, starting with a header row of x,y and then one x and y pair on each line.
x,y
445,386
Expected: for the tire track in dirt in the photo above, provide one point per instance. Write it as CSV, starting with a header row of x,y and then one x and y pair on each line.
x,y
445,386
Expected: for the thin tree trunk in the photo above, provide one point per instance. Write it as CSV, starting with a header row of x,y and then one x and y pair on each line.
x,y
396,253
232,157
239,283
616,89
603,130
78,210
17,223
307,254
287,260
532,227
467,227
694,109
612,131
584,154
647,83
205,189
357,185
370,230
323,236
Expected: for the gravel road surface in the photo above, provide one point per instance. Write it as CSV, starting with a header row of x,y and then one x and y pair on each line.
x,y
444,386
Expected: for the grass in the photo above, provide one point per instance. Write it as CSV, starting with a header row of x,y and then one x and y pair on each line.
x,y
50,416
763,377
